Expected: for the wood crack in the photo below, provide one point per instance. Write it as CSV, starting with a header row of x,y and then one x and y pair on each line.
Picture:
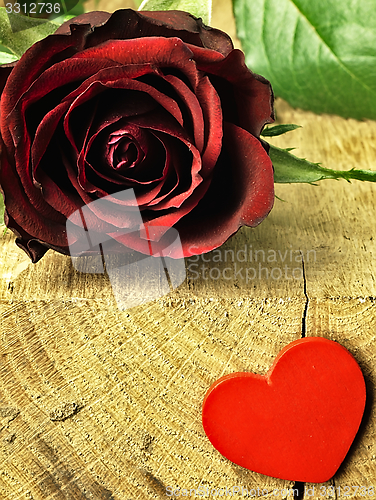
x,y
304,318
299,486
335,491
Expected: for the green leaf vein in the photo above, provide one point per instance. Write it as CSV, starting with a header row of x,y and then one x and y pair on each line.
x,y
324,42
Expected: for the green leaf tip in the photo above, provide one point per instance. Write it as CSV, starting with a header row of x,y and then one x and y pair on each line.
x,y
279,129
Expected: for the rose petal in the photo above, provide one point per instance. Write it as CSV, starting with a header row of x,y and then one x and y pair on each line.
x,y
100,218
110,175
184,187
128,23
62,73
211,105
44,134
31,216
60,200
94,19
210,38
97,87
193,107
158,51
253,93
249,195
5,71
106,113
24,74
168,127
45,84
25,202
160,225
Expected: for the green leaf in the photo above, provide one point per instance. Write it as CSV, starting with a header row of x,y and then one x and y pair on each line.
x,y
200,8
77,9
61,19
279,129
6,58
18,33
318,54
5,49
288,168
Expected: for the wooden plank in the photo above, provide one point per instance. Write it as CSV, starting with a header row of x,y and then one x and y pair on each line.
x,y
352,323
99,403
334,218
340,284
111,402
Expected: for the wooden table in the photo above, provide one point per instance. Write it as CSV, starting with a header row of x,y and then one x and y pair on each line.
x,y
96,403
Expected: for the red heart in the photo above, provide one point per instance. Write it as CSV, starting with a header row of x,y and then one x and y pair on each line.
x,y
295,423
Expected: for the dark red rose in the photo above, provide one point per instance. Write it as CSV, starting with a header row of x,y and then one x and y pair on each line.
x,y
153,101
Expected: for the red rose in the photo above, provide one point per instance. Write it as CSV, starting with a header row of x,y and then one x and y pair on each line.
x,y
153,101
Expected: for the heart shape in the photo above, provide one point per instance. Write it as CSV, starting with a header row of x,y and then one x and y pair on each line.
x,y
298,421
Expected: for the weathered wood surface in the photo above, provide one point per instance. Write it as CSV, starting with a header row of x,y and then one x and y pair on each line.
x,y
96,403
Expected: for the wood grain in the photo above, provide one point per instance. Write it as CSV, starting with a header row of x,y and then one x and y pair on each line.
x,y
111,401
98,403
